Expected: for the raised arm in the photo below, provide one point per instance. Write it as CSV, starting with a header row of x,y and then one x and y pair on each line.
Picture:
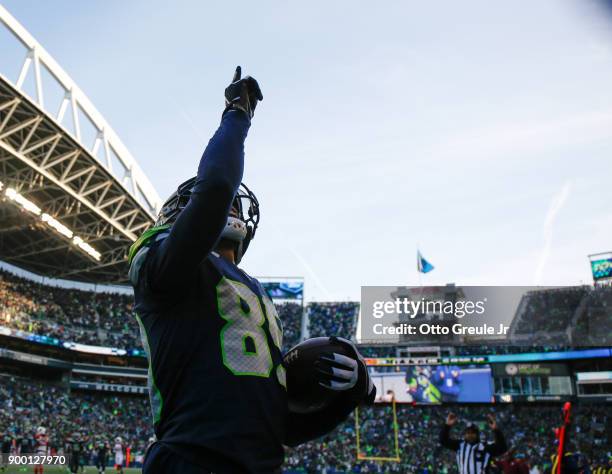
x,y
499,446
445,437
198,227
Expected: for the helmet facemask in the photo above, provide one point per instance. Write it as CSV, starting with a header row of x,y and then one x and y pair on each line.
x,y
242,220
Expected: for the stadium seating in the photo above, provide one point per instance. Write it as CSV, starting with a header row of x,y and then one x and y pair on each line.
x,y
593,324
332,319
107,319
74,315
26,404
291,316
528,429
87,317
548,313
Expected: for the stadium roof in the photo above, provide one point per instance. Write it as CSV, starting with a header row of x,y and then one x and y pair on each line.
x,y
68,209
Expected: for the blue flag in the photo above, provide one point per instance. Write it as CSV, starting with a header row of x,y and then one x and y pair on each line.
x,y
423,265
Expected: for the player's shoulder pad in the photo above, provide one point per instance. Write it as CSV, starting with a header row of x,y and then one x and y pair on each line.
x,y
140,249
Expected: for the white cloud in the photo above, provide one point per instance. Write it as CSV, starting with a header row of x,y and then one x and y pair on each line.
x,y
556,205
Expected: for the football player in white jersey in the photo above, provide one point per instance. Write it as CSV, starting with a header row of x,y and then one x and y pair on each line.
x,y
41,446
118,449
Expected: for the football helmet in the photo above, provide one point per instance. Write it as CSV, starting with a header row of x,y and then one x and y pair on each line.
x,y
242,220
41,430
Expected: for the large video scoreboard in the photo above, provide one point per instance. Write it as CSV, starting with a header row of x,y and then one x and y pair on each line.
x,y
601,266
528,377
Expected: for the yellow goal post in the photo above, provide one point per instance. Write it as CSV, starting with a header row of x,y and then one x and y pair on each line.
x,y
362,457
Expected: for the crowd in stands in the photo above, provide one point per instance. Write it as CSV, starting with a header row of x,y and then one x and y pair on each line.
x,y
529,430
73,315
107,319
594,321
549,312
95,318
26,404
332,319
291,316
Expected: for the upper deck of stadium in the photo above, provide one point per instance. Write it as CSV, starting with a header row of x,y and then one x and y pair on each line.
x,y
72,197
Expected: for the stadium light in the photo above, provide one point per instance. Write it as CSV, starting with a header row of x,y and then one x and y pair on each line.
x,y
51,221
23,202
58,226
88,249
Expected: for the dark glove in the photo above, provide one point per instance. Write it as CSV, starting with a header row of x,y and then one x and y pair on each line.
x,y
342,373
242,94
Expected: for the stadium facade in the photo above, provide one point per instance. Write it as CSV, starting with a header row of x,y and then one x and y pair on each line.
x,y
71,207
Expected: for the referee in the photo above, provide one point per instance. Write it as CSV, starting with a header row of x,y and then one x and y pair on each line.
x,y
473,456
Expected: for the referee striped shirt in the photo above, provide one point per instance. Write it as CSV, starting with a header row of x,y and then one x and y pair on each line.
x,y
473,458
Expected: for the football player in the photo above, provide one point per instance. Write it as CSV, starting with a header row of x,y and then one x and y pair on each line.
x,y
216,379
119,458
6,442
41,442
76,451
447,379
101,456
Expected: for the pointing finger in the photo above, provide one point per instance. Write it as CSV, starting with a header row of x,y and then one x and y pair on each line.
x,y
237,74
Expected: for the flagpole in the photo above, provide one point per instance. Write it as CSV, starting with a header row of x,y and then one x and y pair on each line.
x,y
419,272
421,284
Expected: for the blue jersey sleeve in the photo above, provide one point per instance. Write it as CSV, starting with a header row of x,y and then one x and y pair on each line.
x,y
198,227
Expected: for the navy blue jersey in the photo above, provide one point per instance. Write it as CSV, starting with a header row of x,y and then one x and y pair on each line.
x,y
7,441
75,448
216,379
102,454
213,338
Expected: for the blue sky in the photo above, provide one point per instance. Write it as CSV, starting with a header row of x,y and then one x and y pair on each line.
x,y
481,131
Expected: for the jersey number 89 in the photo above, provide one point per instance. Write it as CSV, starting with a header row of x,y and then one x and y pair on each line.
x,y
244,344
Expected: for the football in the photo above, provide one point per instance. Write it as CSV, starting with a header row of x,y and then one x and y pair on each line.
x,y
305,393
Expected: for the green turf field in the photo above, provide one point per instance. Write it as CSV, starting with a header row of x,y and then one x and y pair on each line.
x,y
64,470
